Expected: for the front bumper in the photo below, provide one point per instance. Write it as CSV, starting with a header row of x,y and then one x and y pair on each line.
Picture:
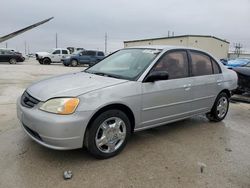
x,y
60,132
66,61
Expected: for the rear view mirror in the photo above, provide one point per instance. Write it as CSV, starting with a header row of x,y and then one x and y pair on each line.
x,y
157,75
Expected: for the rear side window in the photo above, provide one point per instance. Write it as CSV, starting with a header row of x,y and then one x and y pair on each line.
x,y
64,52
175,63
100,54
90,53
201,64
216,67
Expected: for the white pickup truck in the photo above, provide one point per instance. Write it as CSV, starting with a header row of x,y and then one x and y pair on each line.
x,y
53,56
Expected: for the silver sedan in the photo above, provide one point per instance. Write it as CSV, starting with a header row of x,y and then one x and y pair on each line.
x,y
131,90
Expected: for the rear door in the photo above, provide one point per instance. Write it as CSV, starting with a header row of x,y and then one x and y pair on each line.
x,y
3,56
100,56
167,100
207,78
65,53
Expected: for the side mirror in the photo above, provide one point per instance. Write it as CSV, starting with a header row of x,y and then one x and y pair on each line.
x,y
157,75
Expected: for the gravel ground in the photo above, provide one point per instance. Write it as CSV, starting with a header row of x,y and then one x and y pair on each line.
x,y
189,153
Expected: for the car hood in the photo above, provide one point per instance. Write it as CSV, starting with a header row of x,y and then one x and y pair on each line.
x,y
72,85
242,70
236,63
42,53
71,56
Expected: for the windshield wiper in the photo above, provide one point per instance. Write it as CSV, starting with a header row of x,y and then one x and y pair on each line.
x,y
106,74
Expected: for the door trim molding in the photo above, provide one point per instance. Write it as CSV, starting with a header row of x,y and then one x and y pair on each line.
x,y
177,103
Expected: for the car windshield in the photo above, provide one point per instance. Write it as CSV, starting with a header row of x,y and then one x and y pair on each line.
x,y
51,50
126,64
247,65
238,61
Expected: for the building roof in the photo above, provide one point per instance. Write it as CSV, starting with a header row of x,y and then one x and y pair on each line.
x,y
179,36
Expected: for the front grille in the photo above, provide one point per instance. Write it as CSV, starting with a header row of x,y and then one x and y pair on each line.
x,y
28,101
33,133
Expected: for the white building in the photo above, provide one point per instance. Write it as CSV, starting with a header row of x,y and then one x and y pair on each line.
x,y
215,46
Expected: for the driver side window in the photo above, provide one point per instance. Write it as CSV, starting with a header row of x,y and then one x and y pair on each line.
x,y
56,52
175,63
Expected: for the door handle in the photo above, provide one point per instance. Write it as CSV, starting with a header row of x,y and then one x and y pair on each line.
x,y
219,82
187,87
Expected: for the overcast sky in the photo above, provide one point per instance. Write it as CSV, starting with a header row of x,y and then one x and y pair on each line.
x,y
82,23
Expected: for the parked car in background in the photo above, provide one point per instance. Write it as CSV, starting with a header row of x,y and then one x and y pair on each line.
x,y
73,49
224,61
10,56
53,56
243,78
237,63
89,57
131,90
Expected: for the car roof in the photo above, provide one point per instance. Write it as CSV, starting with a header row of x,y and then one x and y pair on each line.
x,y
165,47
169,47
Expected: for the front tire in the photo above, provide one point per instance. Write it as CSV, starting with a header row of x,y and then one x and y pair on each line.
x,y
74,63
46,61
108,134
220,108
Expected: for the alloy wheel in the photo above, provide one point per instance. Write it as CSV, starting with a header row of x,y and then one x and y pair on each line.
x,y
222,107
110,135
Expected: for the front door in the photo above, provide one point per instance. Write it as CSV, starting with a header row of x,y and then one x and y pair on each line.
x,y
56,56
167,100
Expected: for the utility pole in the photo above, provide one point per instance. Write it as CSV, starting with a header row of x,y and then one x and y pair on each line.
x,y
237,47
106,43
25,47
6,45
56,40
168,33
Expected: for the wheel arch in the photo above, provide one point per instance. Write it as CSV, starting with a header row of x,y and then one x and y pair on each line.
x,y
226,91
47,58
71,59
118,106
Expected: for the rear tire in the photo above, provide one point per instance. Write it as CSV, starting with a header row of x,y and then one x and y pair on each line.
x,y
220,108
107,135
12,61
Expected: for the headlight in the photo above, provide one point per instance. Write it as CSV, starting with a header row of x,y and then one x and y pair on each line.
x,y
60,105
